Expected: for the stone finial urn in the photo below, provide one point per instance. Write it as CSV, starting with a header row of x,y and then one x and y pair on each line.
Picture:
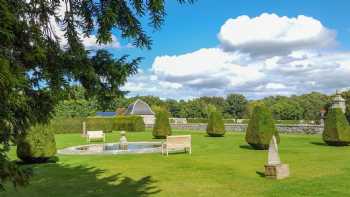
x,y
123,142
339,102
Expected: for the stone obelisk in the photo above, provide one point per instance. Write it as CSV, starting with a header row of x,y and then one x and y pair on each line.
x,y
273,157
274,168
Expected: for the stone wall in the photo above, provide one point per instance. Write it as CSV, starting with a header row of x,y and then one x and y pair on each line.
x,y
282,128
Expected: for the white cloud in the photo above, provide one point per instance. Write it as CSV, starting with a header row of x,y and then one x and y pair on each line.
x,y
261,56
213,72
91,43
209,68
270,34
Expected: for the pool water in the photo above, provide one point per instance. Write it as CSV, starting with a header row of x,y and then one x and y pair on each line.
x,y
112,148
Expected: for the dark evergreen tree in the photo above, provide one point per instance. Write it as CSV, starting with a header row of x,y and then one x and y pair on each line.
x,y
35,68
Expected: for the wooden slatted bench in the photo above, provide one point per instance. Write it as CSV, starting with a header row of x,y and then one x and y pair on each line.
x,y
177,142
95,135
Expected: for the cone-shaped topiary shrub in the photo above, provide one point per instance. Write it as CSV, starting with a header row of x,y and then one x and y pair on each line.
x,y
336,131
261,128
161,127
37,145
216,126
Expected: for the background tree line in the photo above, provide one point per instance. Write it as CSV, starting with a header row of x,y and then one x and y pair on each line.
x,y
301,107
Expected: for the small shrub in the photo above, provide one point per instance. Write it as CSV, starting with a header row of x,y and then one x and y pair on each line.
x,y
37,145
337,130
261,128
216,127
129,123
161,127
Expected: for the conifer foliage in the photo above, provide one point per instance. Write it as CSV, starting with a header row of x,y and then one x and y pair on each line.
x,y
261,128
216,126
161,127
37,145
337,129
36,65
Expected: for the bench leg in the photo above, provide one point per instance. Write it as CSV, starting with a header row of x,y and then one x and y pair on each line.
x,y
190,150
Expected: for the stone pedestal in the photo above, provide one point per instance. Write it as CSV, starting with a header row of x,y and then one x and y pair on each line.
x,y
123,146
123,142
279,171
84,129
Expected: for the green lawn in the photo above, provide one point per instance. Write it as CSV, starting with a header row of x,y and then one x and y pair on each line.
x,y
218,167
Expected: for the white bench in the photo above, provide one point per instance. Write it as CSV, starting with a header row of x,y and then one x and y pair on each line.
x,y
95,135
177,142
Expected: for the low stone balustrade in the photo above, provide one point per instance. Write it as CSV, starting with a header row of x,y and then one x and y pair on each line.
x,y
282,128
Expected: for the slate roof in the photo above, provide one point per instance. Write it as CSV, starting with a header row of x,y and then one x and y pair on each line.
x,y
106,113
139,107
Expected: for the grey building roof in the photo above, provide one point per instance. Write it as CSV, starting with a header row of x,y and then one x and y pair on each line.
x,y
139,107
106,113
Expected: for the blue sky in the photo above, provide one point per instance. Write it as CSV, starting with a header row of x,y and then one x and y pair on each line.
x,y
283,47
189,27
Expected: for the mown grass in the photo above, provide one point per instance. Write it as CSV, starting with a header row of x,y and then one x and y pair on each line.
x,y
223,166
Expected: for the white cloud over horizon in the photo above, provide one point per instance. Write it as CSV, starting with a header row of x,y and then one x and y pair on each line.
x,y
261,56
269,34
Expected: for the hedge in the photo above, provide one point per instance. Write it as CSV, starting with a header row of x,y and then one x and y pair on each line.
x,y
100,123
336,131
129,123
107,124
74,125
66,125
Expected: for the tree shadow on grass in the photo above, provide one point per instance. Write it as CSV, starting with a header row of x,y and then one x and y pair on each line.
x,y
214,136
319,143
177,152
56,180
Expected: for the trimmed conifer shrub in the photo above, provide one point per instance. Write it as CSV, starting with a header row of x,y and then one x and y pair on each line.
x,y
216,126
161,127
37,145
261,128
336,131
